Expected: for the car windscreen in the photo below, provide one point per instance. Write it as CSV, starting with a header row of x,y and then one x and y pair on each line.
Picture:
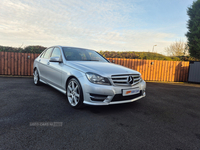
x,y
78,54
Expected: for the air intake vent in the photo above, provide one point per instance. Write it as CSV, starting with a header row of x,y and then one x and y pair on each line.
x,y
97,97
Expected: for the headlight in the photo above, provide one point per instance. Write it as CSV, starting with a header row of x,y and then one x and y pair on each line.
x,y
97,79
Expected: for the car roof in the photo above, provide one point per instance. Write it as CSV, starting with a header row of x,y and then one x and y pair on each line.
x,y
72,47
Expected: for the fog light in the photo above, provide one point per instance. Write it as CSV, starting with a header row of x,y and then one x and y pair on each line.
x,y
143,92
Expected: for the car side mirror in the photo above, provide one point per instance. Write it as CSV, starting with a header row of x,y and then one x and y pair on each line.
x,y
55,59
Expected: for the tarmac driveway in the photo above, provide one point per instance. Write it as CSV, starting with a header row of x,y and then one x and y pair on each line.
x,y
39,117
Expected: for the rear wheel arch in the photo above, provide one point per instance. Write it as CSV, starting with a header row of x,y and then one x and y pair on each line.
x,y
34,68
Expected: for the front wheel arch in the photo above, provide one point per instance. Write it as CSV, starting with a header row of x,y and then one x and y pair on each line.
x,y
68,79
81,98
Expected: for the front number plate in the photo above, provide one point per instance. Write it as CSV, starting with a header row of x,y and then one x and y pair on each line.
x,y
130,92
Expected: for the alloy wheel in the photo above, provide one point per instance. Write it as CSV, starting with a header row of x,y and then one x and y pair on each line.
x,y
73,93
36,76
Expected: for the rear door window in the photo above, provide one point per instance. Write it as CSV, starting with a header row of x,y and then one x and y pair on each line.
x,y
42,55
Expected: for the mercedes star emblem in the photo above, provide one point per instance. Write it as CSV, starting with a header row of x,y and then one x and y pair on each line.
x,y
130,80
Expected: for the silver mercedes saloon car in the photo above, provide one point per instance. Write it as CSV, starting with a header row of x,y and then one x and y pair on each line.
x,y
86,77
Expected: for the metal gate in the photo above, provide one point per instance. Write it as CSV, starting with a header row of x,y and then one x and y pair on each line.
x,y
194,72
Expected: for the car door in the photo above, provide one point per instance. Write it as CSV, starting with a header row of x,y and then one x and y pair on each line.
x,y
55,68
43,64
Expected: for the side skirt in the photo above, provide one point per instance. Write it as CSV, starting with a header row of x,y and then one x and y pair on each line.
x,y
59,89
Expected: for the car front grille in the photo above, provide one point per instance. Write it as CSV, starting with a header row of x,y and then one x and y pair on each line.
x,y
126,80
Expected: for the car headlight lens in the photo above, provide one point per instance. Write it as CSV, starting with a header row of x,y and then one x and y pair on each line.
x,y
97,79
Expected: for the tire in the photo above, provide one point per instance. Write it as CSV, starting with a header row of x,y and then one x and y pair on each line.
x,y
74,93
36,77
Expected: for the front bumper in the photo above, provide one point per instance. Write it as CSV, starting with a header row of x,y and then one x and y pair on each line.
x,y
95,94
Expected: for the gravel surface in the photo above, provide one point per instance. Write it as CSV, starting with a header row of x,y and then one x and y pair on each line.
x,y
39,117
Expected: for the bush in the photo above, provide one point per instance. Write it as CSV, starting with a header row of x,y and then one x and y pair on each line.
x,y
28,49
138,55
34,49
188,58
108,54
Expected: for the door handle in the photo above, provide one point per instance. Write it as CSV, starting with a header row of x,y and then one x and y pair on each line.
x,y
48,63
39,60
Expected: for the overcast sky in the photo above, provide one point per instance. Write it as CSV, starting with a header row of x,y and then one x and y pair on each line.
x,y
115,25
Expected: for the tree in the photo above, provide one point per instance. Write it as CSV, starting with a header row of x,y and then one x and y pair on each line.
x,y
178,48
193,33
